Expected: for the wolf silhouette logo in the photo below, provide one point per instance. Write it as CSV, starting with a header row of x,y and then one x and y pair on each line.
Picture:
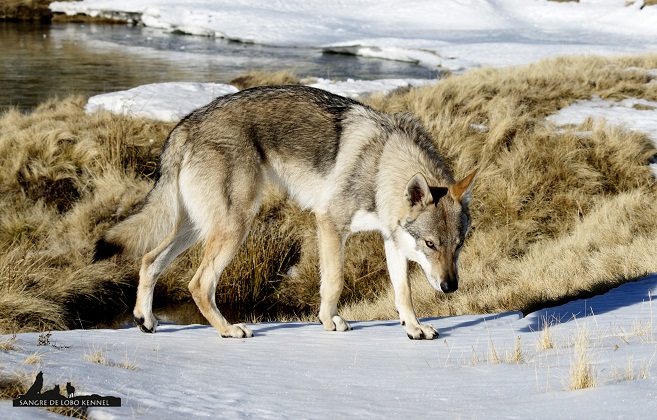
x,y
34,397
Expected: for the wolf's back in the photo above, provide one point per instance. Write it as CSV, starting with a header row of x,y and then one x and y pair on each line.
x,y
158,213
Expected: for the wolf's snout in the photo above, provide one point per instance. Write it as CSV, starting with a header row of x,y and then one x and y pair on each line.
x,y
449,287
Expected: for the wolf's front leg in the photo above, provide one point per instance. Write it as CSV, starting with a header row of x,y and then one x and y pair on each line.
x,y
398,270
331,254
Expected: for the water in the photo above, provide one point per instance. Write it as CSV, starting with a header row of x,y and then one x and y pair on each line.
x,y
42,61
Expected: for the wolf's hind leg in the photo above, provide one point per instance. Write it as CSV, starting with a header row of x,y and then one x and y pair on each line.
x,y
331,255
221,247
398,270
152,265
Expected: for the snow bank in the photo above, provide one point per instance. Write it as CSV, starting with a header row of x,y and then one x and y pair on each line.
x,y
159,101
172,101
452,34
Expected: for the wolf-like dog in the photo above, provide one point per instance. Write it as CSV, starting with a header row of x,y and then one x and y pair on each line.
x,y
357,169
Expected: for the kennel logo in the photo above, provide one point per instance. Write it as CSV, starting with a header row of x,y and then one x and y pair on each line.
x,y
54,398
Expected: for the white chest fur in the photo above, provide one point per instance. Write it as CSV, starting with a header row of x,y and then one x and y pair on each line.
x,y
366,221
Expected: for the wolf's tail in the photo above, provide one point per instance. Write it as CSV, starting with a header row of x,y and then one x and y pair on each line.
x,y
158,215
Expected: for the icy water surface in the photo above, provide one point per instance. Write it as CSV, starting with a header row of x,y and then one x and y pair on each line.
x,y
41,61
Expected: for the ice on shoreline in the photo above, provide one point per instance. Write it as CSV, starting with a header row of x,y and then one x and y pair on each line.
x,y
450,34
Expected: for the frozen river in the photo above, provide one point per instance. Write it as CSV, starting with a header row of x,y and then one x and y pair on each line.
x,y
40,61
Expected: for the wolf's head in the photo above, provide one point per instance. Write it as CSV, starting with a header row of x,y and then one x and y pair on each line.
x,y
433,228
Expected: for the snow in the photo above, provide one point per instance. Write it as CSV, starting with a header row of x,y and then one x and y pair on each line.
x,y
632,114
159,101
172,101
635,114
359,89
291,370
297,370
452,34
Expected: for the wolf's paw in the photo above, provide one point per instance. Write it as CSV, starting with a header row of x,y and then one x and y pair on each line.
x,y
421,332
237,331
341,324
146,324
336,323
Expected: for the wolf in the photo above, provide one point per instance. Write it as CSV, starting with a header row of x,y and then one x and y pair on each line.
x,y
356,168
70,390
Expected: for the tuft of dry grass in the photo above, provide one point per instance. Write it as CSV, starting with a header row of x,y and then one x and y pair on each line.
x,y
493,357
98,355
545,341
14,384
9,344
582,372
263,78
517,356
33,359
557,214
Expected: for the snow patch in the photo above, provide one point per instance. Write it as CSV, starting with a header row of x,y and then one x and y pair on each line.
x,y
159,101
631,113
172,101
634,114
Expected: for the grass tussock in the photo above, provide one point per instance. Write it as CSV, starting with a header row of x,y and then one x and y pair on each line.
x,y
14,384
9,344
557,214
545,341
263,78
98,355
582,372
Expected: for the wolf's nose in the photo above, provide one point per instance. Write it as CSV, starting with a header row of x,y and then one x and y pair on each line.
x,y
448,287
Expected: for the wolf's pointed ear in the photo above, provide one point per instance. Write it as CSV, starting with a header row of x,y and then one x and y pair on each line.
x,y
461,191
417,192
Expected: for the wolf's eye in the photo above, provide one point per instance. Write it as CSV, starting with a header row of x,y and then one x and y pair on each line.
x,y
430,244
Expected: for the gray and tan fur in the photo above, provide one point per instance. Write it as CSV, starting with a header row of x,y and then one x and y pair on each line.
x,y
357,169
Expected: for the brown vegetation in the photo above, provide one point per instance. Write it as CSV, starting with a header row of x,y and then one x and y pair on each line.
x,y
262,78
557,214
17,10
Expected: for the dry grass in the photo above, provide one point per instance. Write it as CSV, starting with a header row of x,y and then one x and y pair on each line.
x,y
98,355
261,78
545,341
582,372
557,214
14,384
33,359
25,10
9,344
518,355
492,352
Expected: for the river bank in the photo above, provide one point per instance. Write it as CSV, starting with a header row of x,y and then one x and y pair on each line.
x,y
39,11
22,10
